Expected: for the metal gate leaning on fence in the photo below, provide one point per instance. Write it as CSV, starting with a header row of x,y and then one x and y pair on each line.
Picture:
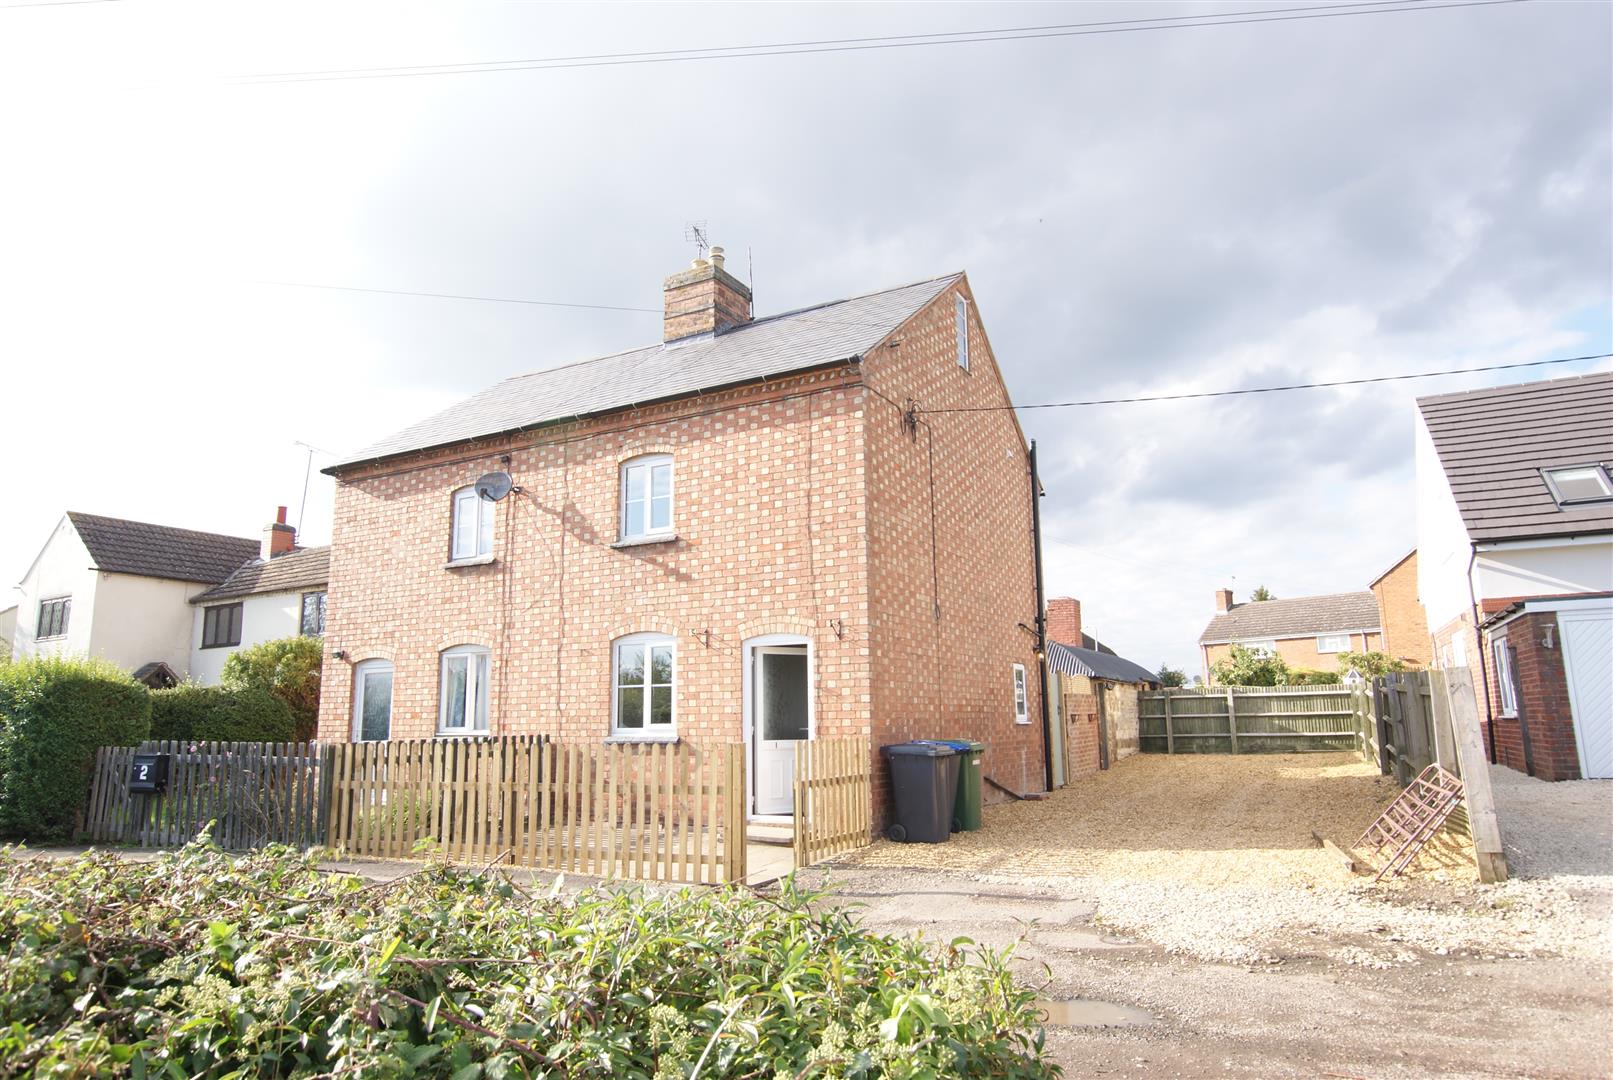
x,y
1252,719
252,793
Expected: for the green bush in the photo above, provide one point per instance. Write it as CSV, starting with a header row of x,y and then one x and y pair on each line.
x,y
55,712
1312,677
218,714
204,965
1370,665
288,668
1250,667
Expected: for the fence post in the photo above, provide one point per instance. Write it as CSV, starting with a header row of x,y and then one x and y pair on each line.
x,y
1482,822
1232,719
734,869
1170,736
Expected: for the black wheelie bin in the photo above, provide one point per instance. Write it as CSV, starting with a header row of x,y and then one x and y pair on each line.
x,y
924,782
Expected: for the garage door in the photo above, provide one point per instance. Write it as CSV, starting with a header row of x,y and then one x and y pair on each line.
x,y
1588,657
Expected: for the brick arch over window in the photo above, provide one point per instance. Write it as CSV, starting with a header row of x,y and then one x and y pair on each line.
x,y
480,638
373,652
759,627
638,450
643,626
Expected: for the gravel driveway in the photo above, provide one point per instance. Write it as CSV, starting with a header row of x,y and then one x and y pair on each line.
x,y
1188,891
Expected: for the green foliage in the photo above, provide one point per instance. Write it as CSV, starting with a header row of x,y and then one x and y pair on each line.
x,y
1312,677
55,712
1169,676
217,714
1250,667
203,965
288,668
1261,593
1369,664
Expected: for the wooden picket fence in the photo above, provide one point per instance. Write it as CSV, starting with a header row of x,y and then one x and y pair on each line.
x,y
1250,719
833,797
661,812
249,794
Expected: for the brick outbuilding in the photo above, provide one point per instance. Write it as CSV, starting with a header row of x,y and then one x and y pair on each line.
x,y
756,530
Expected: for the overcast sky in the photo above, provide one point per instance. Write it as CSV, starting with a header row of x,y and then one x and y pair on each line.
x,y
1139,213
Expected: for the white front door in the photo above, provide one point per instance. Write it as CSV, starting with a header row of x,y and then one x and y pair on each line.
x,y
781,719
1588,660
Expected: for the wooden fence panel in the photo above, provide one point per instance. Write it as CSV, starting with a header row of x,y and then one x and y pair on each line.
x,y
1250,719
248,794
833,797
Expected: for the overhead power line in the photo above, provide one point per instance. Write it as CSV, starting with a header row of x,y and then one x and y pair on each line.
x,y
1265,389
903,41
452,296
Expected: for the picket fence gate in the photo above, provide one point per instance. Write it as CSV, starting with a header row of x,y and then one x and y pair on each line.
x,y
833,797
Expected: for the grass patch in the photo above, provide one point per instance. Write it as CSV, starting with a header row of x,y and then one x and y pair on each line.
x,y
201,964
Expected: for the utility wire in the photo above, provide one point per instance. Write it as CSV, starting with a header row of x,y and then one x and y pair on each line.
x,y
809,48
1266,389
451,296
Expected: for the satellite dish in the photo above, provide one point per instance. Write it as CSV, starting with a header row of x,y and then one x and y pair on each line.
x,y
494,486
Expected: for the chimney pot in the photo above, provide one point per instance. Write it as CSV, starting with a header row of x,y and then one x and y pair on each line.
x,y
280,515
717,257
278,537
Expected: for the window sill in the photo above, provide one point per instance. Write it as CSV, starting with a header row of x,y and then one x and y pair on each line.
x,y
474,560
629,740
640,541
466,734
223,645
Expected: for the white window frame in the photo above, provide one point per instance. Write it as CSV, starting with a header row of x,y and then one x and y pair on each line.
x,y
1022,701
1595,468
1322,641
961,315
1264,646
645,732
481,536
1506,687
361,669
478,677
648,463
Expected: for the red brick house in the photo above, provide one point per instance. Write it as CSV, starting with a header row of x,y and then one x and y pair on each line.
x,y
1515,563
751,530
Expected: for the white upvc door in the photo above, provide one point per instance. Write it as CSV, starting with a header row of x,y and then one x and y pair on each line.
x,y
1588,664
780,717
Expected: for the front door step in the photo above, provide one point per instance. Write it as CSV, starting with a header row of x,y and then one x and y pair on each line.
x,y
770,832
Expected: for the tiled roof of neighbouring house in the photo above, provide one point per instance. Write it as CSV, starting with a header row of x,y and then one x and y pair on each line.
x,y
1493,443
774,345
136,547
1095,664
1302,616
303,570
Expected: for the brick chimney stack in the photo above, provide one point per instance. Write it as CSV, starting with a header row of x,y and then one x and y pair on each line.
x,y
1223,601
704,299
1064,620
278,538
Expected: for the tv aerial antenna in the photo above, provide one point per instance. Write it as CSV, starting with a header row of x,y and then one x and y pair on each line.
x,y
695,233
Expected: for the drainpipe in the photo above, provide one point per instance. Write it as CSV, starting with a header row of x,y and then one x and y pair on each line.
x,y
1478,643
1041,622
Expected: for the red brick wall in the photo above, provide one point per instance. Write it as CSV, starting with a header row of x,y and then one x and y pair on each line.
x,y
769,514
1405,623
1542,687
1080,728
1064,621
950,675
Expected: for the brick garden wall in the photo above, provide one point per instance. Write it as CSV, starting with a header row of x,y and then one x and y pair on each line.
x,y
950,675
1080,728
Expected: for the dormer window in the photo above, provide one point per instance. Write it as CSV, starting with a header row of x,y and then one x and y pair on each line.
x,y
1578,484
647,497
472,527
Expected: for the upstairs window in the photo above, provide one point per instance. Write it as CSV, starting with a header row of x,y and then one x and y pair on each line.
x,y
1266,647
1022,713
53,617
1333,643
1578,484
463,710
473,526
221,626
641,702
647,497
962,309
312,623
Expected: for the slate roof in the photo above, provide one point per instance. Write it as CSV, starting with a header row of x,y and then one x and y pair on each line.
x,y
1301,616
159,551
1094,664
775,345
303,570
1493,443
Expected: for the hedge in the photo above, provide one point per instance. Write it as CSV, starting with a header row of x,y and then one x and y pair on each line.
x,y
204,965
55,713
216,714
289,669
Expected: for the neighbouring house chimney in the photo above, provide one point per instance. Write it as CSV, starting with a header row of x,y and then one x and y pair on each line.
x,y
278,538
704,299
1064,620
1223,601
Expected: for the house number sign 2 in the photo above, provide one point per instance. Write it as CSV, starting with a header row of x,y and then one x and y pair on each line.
x,y
149,773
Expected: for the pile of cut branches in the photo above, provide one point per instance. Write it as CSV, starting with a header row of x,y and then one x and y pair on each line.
x,y
203,964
